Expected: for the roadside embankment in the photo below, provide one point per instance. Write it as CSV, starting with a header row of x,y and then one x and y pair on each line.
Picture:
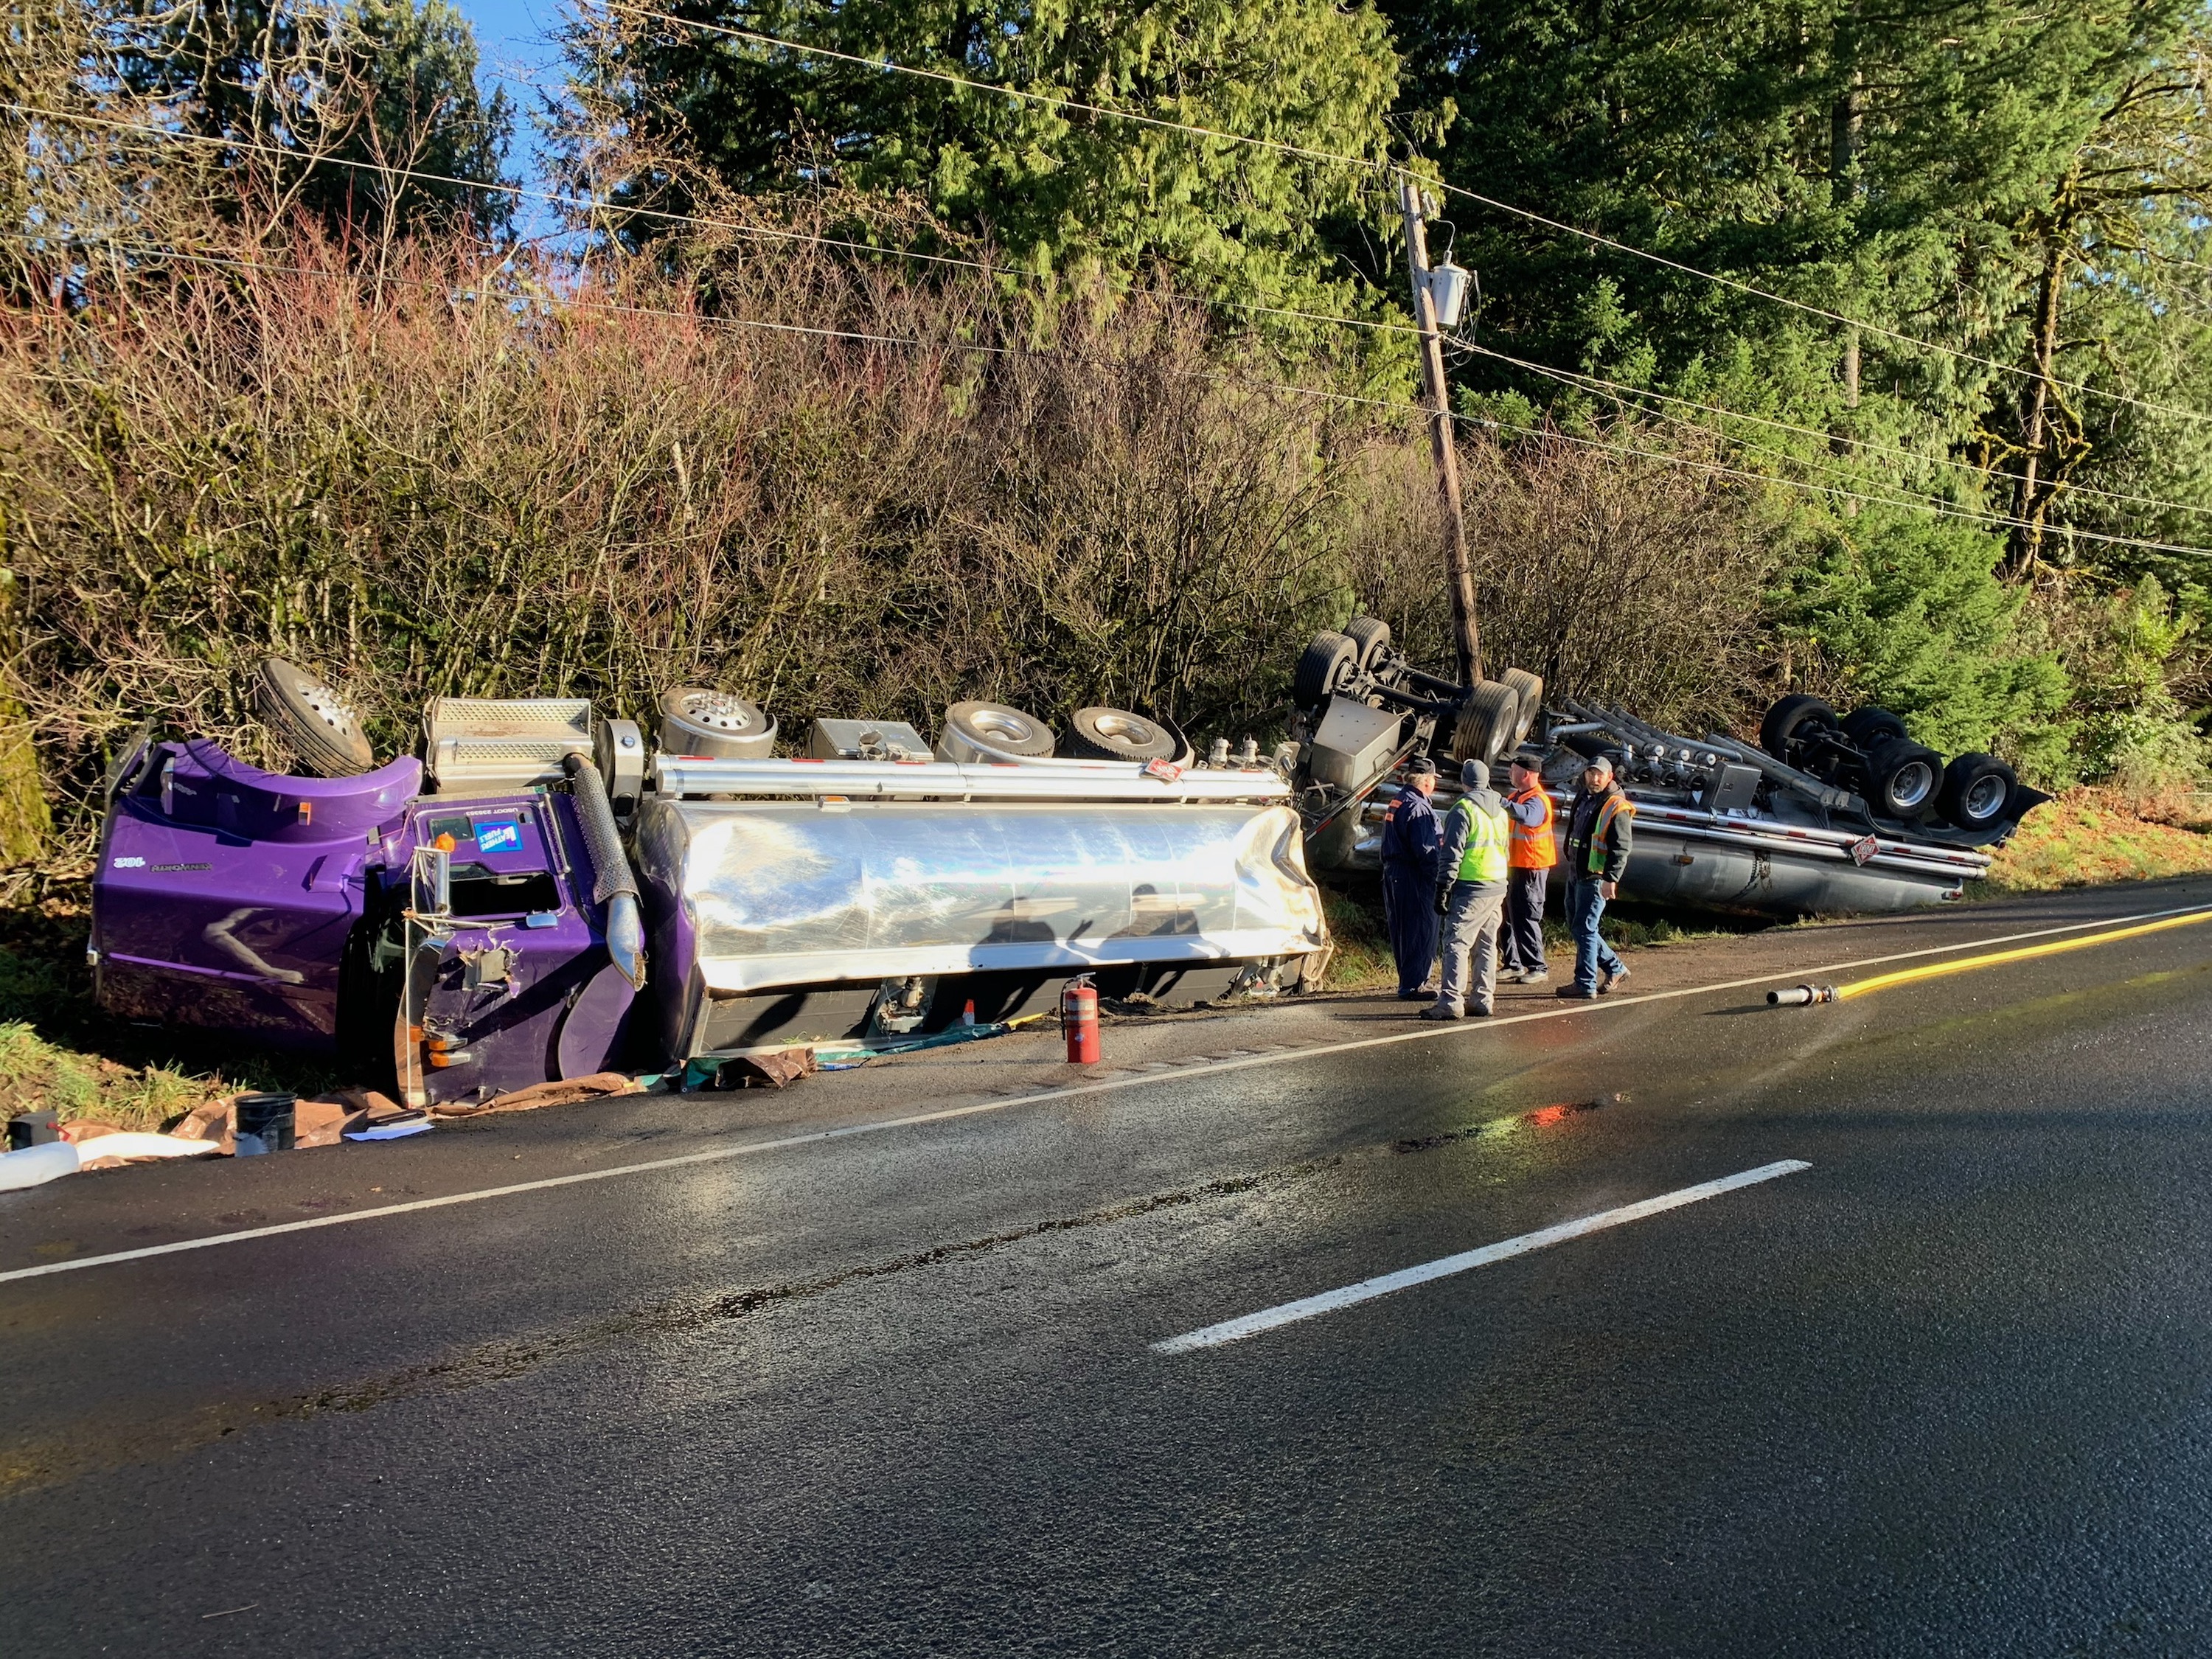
x,y
2089,838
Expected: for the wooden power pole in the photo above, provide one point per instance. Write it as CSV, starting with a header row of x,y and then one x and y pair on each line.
x,y
1457,575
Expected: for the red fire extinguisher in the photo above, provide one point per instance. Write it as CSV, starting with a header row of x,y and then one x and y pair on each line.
x,y
1078,1018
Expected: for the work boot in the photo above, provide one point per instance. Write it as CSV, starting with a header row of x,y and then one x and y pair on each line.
x,y
1613,981
1576,994
1418,993
1535,976
1440,1010
1482,1012
1514,977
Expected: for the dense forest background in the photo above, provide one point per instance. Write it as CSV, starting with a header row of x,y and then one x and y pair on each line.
x,y
868,356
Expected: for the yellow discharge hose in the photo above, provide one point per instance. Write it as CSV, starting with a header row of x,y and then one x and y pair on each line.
x,y
1996,959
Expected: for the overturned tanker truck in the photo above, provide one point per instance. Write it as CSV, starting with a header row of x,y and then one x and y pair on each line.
x,y
544,894
1827,815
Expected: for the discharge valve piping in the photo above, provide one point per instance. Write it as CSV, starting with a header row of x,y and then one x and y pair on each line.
x,y
613,883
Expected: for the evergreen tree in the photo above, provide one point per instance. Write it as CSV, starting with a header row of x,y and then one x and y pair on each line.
x,y
328,107
1058,190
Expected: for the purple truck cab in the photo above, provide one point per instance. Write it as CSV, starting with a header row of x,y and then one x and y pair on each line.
x,y
280,908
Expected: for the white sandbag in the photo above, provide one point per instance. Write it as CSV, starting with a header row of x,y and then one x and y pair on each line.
x,y
124,1144
36,1165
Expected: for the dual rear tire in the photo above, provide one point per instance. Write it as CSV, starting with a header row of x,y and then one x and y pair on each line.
x,y
1902,778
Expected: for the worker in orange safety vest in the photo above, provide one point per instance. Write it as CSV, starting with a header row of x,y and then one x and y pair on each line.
x,y
1531,853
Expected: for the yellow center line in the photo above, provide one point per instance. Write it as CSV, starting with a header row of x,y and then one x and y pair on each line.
x,y
1998,959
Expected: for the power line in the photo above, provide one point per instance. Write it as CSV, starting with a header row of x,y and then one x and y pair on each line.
x,y
1051,100
586,205
1928,505
769,234
1573,378
500,187
1741,286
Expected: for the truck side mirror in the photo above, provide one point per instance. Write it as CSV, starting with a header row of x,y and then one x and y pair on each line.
x,y
432,879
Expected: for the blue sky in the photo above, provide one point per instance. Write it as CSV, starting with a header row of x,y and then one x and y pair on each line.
x,y
513,41
514,50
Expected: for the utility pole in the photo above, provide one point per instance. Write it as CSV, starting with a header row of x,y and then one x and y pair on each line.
x,y
1457,575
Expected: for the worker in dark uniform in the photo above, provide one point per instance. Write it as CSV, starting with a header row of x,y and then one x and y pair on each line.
x,y
1411,841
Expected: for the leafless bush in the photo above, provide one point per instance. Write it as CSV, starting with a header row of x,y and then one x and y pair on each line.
x,y
445,478
1623,580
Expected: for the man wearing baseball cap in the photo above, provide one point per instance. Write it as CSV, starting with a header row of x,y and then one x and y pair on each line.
x,y
1597,857
1412,838
1529,858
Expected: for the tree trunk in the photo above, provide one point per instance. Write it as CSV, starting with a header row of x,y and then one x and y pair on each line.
x,y
2031,497
1846,127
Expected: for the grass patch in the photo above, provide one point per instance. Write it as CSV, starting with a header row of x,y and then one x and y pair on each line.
x,y
1363,961
2086,837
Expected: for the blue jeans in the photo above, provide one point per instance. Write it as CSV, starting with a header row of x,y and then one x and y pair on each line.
x,y
1585,906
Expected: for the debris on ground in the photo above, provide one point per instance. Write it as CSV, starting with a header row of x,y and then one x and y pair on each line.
x,y
567,1092
774,1071
33,1166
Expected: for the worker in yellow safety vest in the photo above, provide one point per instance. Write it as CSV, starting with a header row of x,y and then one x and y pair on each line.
x,y
1597,849
1471,896
1529,858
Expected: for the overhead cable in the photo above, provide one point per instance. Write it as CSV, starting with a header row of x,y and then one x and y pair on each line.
x,y
1372,164
1928,505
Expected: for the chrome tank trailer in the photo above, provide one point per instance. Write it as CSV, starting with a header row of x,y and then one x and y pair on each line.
x,y
947,891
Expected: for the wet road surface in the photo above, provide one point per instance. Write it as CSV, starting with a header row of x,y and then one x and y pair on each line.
x,y
1948,1390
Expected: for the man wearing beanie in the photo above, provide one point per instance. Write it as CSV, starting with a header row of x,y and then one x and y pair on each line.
x,y
1470,894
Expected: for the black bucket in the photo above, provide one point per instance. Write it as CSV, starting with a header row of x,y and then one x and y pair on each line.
x,y
264,1124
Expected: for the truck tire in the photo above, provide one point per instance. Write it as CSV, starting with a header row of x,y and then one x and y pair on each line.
x,y
1118,735
1325,665
1371,637
1788,723
695,720
1976,793
1531,689
1903,778
1870,726
1486,723
318,725
975,728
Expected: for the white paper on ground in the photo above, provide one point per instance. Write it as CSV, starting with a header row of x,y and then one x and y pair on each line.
x,y
390,1131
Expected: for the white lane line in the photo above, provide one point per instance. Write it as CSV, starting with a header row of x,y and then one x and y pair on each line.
x,y
1272,1056
1312,1307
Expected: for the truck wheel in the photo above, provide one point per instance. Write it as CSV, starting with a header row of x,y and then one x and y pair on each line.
x,y
1870,726
317,724
715,724
1790,721
993,728
1326,664
1530,690
1903,777
1977,789
1371,637
1117,734
1487,721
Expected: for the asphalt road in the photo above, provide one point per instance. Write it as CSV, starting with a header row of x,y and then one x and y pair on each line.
x,y
1946,1391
